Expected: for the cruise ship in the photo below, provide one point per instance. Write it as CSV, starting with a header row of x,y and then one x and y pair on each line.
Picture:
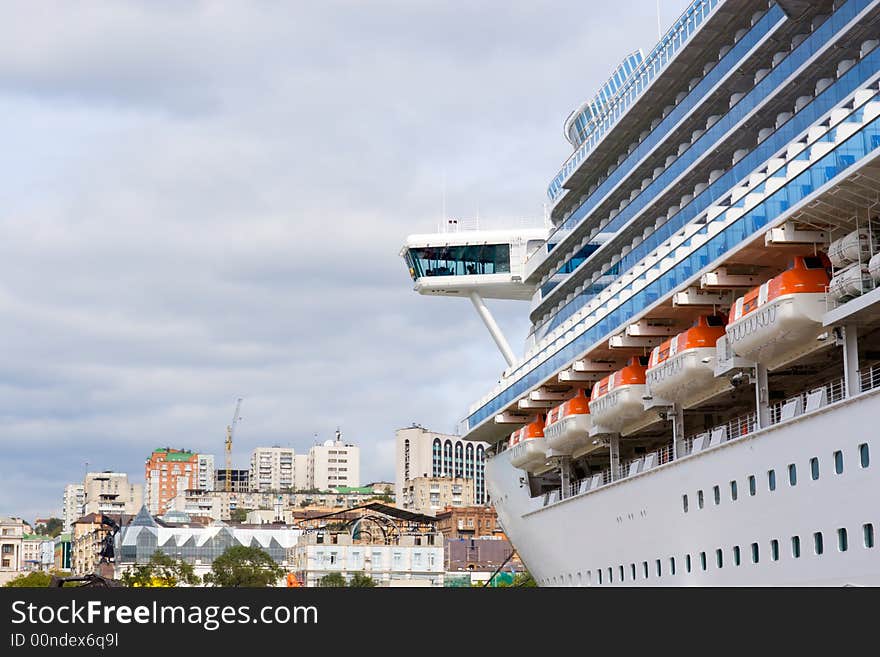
x,y
695,401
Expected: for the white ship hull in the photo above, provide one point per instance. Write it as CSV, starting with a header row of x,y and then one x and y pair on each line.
x,y
640,519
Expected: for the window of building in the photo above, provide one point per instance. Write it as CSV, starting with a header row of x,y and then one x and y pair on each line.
x,y
737,556
774,550
684,503
610,576
864,455
868,531
700,499
814,468
703,560
752,485
796,547
687,562
838,462
719,558
818,543
659,569
632,569
842,540
716,491
645,569
792,474
771,479
756,555
733,492
600,575
621,574
672,565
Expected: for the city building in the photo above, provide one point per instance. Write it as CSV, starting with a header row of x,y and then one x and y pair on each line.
x,y
301,471
424,453
205,478
111,492
433,494
169,471
239,480
72,504
37,551
334,463
480,555
392,546
195,543
272,469
87,540
62,552
12,531
468,522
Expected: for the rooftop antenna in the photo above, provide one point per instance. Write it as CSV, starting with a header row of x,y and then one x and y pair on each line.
x,y
659,28
443,201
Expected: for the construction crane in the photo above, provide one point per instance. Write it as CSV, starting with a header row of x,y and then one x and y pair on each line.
x,y
230,431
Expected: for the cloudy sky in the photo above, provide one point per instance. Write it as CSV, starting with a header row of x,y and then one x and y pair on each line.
x,y
205,200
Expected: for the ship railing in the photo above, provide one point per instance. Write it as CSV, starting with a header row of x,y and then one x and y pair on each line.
x,y
869,378
834,391
829,392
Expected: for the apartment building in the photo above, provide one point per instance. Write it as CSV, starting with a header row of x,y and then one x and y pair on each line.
x,y
111,492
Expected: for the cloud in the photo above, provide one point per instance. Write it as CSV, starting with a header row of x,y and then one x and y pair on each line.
x,y
203,201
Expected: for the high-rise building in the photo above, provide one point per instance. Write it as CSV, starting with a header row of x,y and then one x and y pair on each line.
x,y
239,480
72,505
272,469
111,492
424,453
206,472
334,463
169,471
431,495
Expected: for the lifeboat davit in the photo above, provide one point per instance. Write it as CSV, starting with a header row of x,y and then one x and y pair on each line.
x,y
528,447
617,405
682,369
568,427
779,321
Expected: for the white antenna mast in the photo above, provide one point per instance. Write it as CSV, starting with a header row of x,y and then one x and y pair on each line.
x,y
659,28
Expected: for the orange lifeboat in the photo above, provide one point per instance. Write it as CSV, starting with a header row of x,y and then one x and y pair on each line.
x,y
778,321
568,427
682,369
616,404
528,447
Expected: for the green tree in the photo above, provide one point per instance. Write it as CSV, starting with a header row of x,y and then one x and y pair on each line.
x,y
333,580
360,580
242,566
238,515
39,579
52,527
524,579
161,570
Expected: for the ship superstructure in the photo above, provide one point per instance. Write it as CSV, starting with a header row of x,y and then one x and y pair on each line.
x,y
696,394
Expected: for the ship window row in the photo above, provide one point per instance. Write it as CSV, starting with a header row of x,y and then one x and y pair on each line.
x,y
635,85
704,560
459,260
740,108
786,135
799,187
864,460
731,58
719,181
